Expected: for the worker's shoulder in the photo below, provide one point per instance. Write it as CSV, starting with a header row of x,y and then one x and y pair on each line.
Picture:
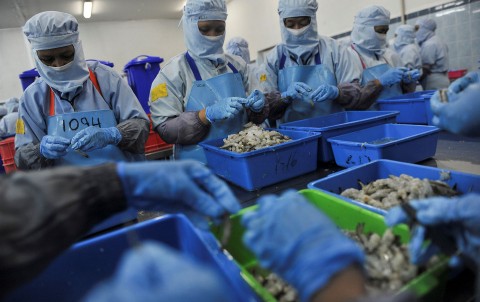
x,y
38,88
328,41
101,69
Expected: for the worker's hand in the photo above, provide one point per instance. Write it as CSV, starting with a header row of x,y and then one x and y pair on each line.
x,y
156,272
298,242
296,91
54,147
325,93
255,101
460,84
92,138
224,109
411,76
184,186
460,214
392,76
460,114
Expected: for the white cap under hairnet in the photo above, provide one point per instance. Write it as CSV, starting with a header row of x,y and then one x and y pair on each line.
x,y
238,46
427,23
48,30
297,8
373,15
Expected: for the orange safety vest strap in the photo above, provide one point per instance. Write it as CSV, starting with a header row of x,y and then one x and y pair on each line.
x,y
94,80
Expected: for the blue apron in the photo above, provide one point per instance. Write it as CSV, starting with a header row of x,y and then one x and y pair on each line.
x,y
205,93
312,75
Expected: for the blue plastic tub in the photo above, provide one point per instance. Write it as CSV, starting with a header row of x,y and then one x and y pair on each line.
x,y
388,141
87,263
337,182
28,77
107,63
414,107
337,124
141,71
260,168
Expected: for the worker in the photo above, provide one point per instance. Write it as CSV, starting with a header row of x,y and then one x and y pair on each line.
x,y
383,74
75,105
42,213
238,46
406,47
201,94
8,122
305,75
434,54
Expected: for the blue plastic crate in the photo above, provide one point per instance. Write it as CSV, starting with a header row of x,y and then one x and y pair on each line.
x,y
414,107
388,141
337,124
28,77
337,182
260,168
87,263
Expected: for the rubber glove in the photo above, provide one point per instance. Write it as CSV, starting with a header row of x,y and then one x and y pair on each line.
x,y
53,147
461,215
92,138
296,91
295,240
184,186
392,76
224,109
411,76
325,93
156,272
460,84
460,115
255,101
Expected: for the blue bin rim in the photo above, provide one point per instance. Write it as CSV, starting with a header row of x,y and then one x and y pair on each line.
x,y
340,139
142,59
380,115
29,73
310,136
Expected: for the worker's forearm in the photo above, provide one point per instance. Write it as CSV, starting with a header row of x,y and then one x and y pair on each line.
x,y
28,157
42,213
346,286
185,129
134,135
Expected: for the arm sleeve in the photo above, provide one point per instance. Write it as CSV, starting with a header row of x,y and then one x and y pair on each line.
x,y
28,157
42,213
275,106
185,129
354,96
134,135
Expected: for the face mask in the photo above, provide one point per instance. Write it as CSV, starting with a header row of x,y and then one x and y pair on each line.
x,y
214,38
61,68
382,37
297,32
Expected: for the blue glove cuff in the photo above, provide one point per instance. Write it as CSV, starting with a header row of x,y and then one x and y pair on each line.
x,y
114,134
208,114
285,98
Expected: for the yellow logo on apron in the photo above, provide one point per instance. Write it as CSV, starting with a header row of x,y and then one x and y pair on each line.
x,y
20,126
263,77
159,91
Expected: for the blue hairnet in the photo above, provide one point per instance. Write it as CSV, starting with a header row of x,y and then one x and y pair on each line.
x,y
197,44
373,15
363,32
48,30
427,23
239,46
297,8
405,35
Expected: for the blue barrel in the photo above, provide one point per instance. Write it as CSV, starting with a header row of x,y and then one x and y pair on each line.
x,y
141,71
108,63
28,77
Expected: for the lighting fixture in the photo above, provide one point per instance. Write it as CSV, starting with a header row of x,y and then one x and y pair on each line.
x,y
87,8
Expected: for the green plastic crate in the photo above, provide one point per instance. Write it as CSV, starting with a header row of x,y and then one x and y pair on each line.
x,y
427,286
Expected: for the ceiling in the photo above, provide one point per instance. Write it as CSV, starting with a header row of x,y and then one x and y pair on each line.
x,y
14,13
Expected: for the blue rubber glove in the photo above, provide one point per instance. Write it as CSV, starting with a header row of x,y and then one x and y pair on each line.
x,y
156,272
392,76
460,84
185,186
325,93
460,115
53,147
296,91
224,109
295,240
462,214
92,138
255,101
411,76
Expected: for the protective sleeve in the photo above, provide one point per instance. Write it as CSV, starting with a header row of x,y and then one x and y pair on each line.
x,y
42,213
184,129
134,135
28,157
408,88
275,106
354,96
